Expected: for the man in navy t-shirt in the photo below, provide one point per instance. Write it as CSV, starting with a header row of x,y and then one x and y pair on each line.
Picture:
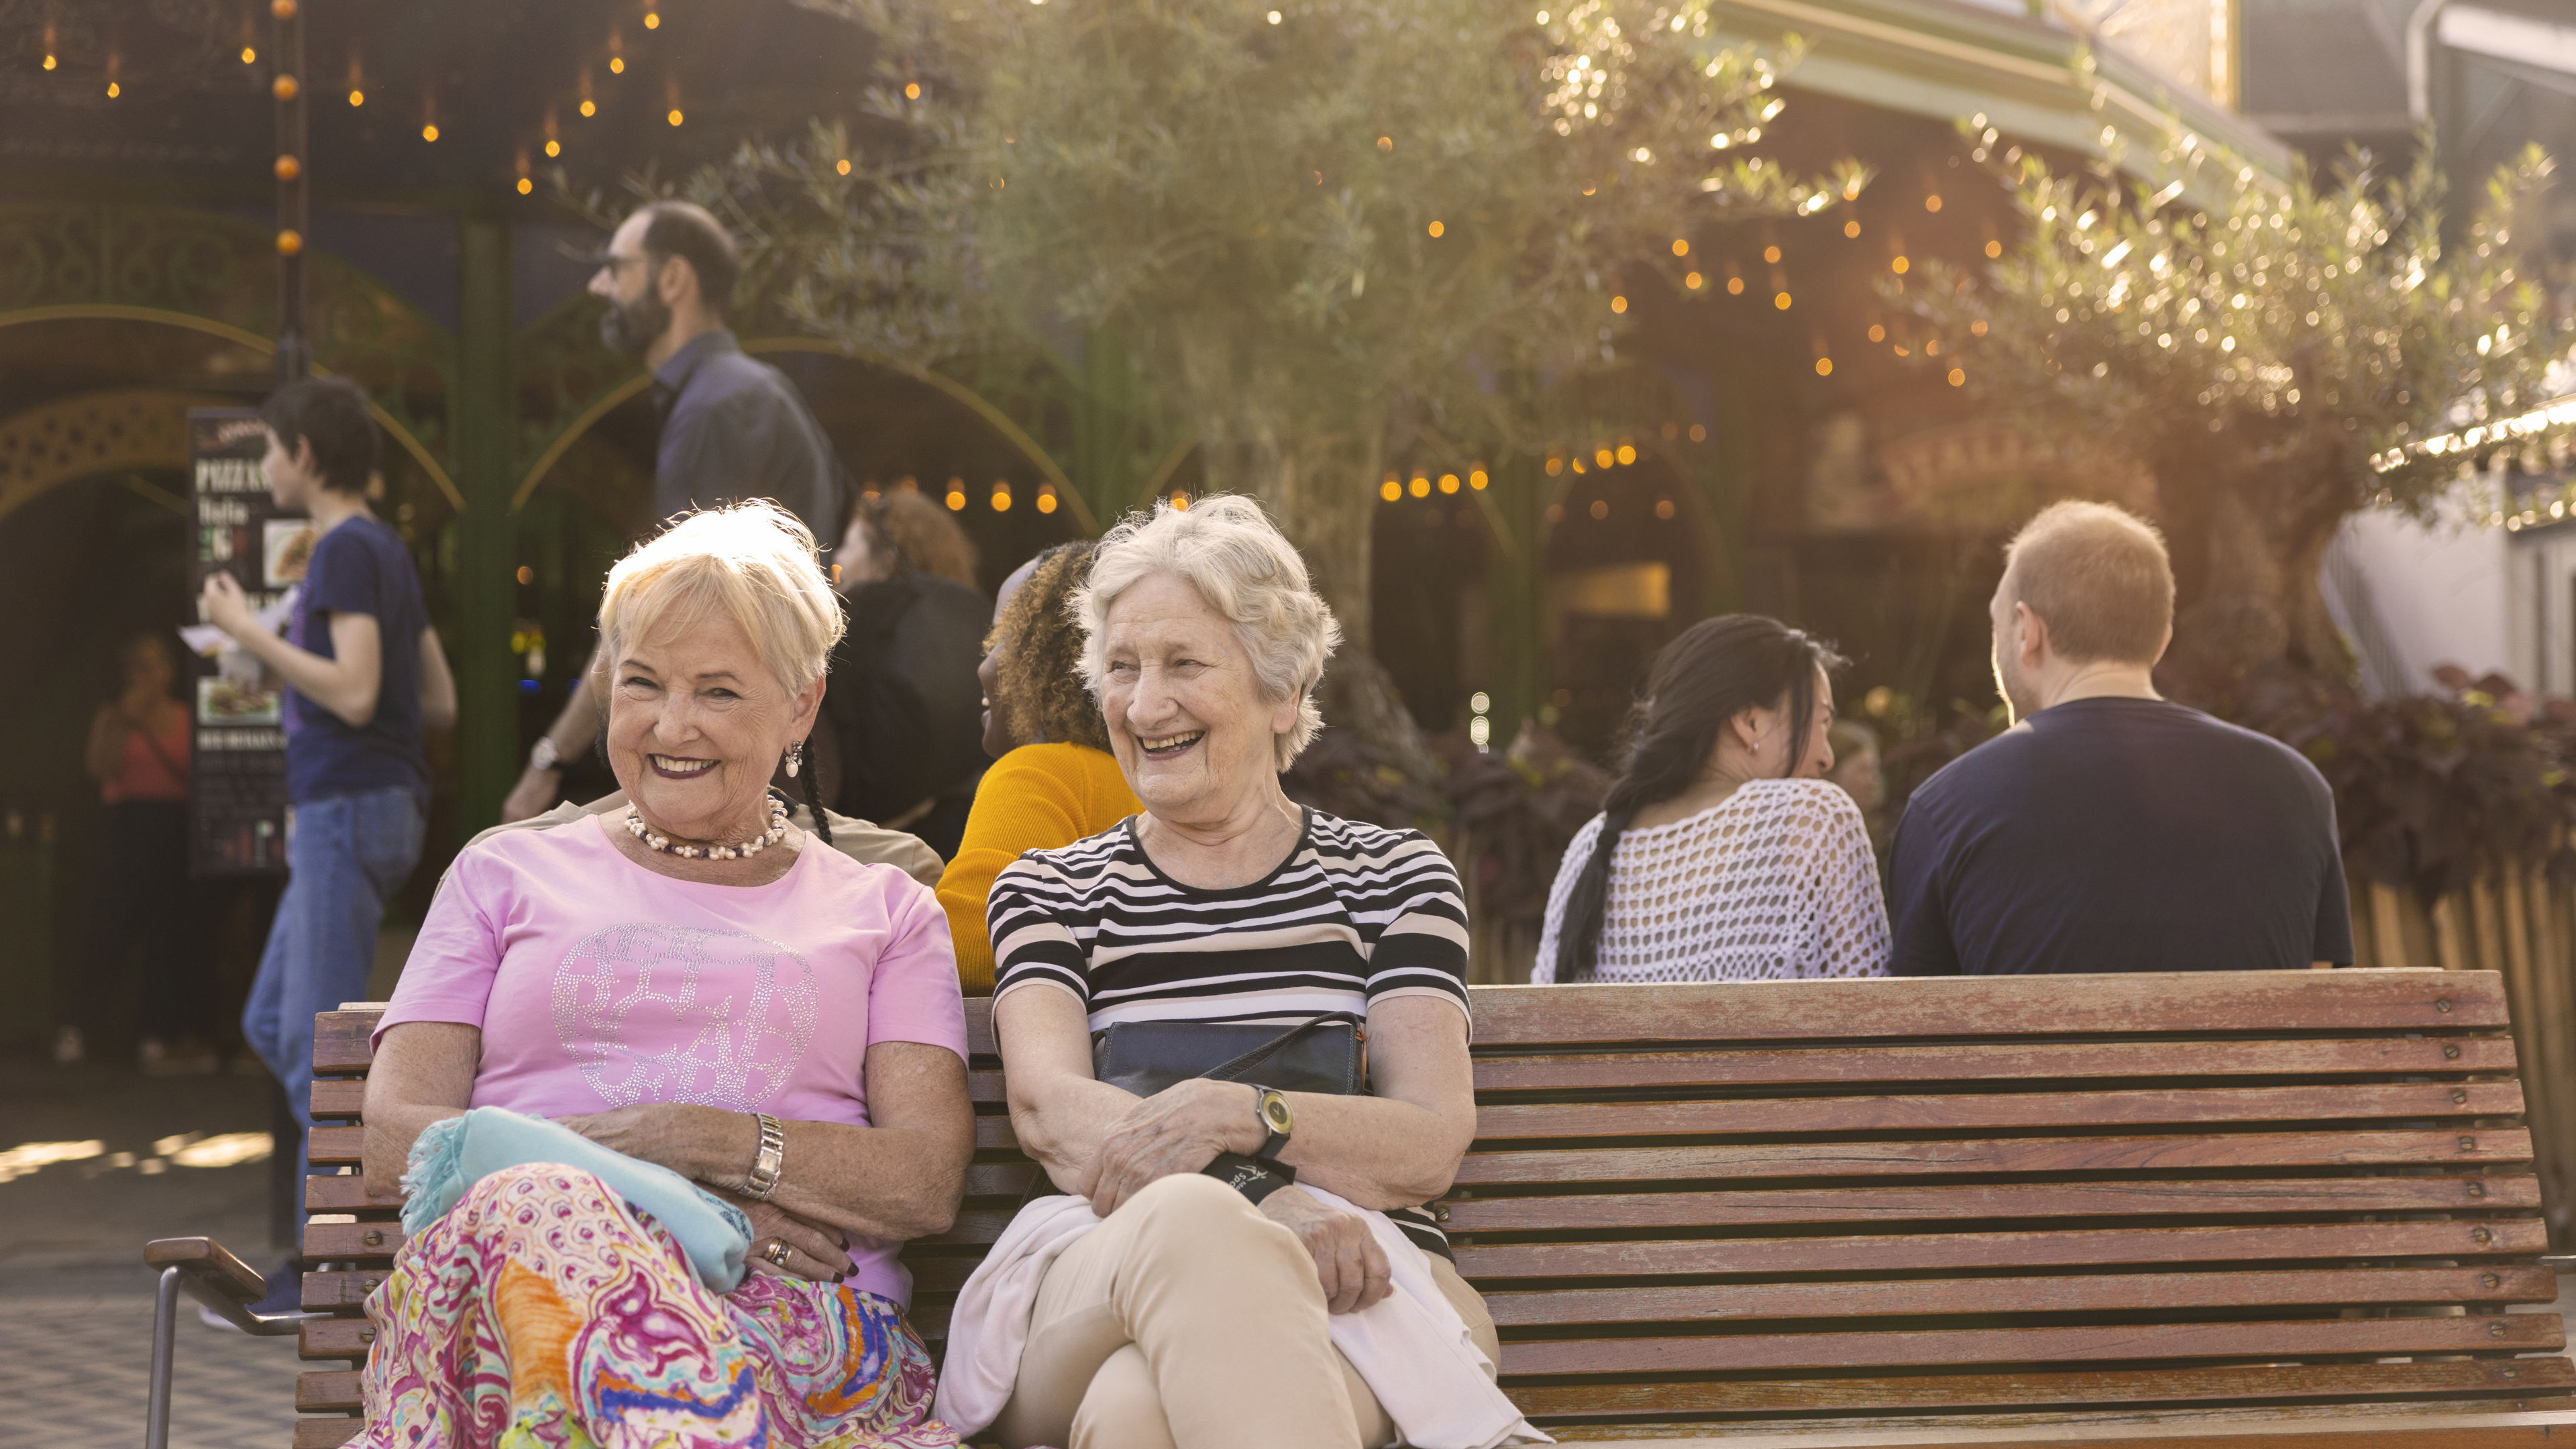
x,y
2109,829
363,674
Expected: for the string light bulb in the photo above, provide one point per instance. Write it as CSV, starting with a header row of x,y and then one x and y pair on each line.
x,y
617,65
675,116
589,107
250,55
912,90
553,147
1681,246
284,88
1477,478
357,97
1448,482
1391,489
1436,229
429,132
1420,487
1618,304
1046,498
652,19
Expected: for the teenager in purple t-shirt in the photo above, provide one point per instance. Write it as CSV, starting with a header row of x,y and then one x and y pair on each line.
x,y
364,674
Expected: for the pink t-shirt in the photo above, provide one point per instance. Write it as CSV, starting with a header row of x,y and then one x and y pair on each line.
x,y
597,984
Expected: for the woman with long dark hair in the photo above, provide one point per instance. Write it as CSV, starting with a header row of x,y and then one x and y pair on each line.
x,y
1722,854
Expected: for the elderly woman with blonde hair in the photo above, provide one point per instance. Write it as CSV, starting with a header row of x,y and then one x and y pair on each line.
x,y
1241,1256
692,983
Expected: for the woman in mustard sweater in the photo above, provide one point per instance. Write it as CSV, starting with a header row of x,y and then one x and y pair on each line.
x,y
1053,781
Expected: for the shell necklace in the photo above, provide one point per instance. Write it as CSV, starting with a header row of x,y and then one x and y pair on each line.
x,y
776,832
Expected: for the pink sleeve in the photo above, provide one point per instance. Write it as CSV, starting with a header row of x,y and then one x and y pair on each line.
x,y
913,994
449,975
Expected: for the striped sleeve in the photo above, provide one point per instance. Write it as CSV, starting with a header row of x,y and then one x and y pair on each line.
x,y
1031,911
1403,884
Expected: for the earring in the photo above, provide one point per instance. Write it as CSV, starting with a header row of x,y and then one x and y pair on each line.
x,y
795,758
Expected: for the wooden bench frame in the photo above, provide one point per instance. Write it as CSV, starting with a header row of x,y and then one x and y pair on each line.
x,y
2299,1204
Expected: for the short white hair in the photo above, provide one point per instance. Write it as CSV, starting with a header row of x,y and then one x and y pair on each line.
x,y
1247,571
752,562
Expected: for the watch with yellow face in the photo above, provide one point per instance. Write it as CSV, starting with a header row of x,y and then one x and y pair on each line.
x,y
1277,1119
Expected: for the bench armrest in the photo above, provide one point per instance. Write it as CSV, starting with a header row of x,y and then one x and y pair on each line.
x,y
221,1281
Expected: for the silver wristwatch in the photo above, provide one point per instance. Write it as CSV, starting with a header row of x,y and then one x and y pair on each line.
x,y
543,755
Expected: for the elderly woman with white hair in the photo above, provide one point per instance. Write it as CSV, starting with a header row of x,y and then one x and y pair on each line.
x,y
692,983
1235,1264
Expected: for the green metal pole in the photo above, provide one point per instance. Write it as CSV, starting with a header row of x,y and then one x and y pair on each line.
x,y
485,414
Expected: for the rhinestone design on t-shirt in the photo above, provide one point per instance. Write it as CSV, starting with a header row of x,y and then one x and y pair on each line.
x,y
638,1007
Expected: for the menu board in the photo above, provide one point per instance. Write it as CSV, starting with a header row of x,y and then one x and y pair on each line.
x,y
237,808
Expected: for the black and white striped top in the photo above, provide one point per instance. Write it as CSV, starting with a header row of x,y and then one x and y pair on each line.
x,y
1357,914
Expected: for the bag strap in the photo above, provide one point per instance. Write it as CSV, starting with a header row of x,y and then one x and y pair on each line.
x,y
1233,1070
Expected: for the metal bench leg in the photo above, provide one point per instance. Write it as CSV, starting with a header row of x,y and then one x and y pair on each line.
x,y
165,1324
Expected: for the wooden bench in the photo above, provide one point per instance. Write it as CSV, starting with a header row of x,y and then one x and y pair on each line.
x,y
2287,1209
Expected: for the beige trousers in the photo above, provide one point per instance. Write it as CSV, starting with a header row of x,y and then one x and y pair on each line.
x,y
1191,1321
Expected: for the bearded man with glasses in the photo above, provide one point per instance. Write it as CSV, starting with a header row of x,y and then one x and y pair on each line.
x,y
733,427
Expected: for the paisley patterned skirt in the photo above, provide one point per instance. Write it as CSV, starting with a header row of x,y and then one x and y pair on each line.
x,y
543,1310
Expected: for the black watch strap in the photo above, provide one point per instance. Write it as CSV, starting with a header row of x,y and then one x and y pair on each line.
x,y
1254,1177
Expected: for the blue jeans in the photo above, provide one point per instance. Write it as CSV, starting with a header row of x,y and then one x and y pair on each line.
x,y
344,855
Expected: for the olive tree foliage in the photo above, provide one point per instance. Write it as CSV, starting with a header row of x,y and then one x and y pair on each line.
x,y
2277,357
1327,232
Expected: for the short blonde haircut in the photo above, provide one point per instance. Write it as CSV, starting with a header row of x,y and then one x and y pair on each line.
x,y
2100,578
753,563
1235,556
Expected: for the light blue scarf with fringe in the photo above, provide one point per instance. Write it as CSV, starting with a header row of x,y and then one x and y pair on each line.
x,y
455,1153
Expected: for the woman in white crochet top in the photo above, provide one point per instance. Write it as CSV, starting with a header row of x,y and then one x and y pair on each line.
x,y
1722,854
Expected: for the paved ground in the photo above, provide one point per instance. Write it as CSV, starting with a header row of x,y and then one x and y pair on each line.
x,y
75,1298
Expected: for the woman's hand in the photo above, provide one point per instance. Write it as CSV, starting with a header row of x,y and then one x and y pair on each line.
x,y
1179,1129
813,1250
1348,1260
227,608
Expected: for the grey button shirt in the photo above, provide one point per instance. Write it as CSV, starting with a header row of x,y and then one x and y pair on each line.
x,y
735,428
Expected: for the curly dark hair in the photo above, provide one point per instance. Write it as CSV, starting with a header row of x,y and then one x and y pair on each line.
x,y
1041,675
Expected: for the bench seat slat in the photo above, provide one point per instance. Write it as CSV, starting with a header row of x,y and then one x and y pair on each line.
x,y
347,1242
340,1041
338,1099
334,1338
2540,1378
1741,1302
1974,1006
2178,1153
1744,1207
336,1146
350,1193
2518,1237
319,1390
1974,1112
328,1433
341,1289
1709,1353
1990,1061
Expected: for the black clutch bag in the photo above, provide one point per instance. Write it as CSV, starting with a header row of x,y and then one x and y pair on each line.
x,y
1326,1053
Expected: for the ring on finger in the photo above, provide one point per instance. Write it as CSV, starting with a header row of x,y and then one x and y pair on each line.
x,y
776,1252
